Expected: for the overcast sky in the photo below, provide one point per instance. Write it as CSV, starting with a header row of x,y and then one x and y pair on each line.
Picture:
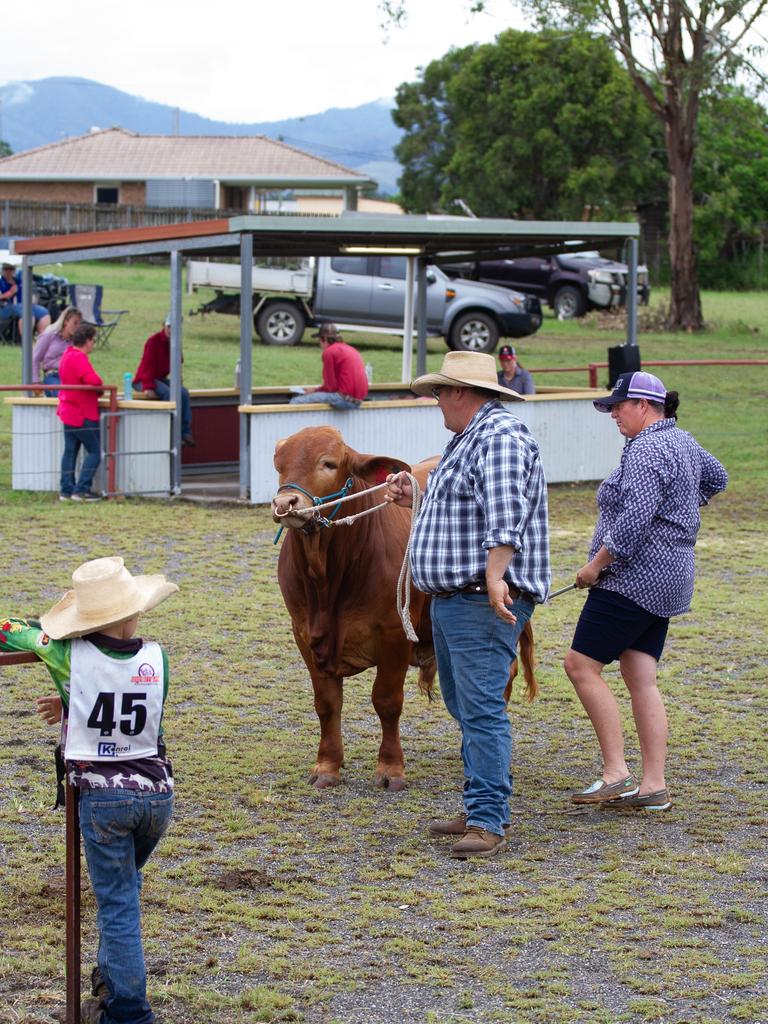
x,y
245,60
240,60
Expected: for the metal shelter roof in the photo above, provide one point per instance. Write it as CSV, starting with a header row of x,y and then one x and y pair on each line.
x,y
420,237
428,235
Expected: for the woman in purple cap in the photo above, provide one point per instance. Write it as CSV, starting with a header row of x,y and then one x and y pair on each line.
x,y
640,572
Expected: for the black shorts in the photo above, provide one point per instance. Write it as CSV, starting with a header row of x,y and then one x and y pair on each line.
x,y
610,624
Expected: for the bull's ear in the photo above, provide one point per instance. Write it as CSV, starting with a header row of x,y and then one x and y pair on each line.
x,y
375,469
278,446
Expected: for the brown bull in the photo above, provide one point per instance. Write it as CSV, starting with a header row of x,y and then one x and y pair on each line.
x,y
339,585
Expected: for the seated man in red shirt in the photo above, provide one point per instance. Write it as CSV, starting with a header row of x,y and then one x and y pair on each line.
x,y
152,377
345,383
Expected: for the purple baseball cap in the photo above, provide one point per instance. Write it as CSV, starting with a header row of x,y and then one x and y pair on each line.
x,y
633,385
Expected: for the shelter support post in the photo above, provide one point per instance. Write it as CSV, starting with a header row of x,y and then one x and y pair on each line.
x,y
408,320
176,371
632,291
421,317
28,328
246,357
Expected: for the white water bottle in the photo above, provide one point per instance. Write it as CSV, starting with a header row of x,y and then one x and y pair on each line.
x,y
237,374
369,372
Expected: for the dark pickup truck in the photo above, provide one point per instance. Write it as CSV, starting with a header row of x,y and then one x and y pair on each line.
x,y
572,285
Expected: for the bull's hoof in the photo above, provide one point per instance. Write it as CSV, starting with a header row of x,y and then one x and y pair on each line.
x,y
396,783
324,780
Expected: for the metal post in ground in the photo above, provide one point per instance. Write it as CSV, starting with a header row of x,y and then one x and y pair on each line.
x,y
72,873
72,842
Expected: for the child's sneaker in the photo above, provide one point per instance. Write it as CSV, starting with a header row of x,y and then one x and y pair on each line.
x,y
88,496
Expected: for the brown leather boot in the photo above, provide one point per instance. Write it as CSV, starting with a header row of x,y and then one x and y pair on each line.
x,y
455,826
91,1011
478,842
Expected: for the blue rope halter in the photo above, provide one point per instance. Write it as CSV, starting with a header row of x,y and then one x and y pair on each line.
x,y
323,520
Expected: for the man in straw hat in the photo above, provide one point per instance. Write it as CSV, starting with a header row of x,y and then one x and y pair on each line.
x,y
480,547
111,689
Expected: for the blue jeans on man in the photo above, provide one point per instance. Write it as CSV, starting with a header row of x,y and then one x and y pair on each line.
x,y
333,398
474,649
163,392
86,436
121,828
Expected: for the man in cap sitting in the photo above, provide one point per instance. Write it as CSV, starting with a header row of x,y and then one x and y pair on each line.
x,y
345,383
512,375
152,377
480,547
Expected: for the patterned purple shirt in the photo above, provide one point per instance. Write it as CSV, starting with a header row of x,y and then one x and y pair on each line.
x,y
649,517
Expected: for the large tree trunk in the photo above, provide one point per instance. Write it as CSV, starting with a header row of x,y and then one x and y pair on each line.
x,y
685,303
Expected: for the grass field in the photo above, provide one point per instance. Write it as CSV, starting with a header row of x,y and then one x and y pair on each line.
x,y
271,902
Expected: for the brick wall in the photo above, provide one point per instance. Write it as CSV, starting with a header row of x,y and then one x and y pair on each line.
x,y
131,192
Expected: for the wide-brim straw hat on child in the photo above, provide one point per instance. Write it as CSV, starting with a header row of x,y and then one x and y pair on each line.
x,y
466,370
104,594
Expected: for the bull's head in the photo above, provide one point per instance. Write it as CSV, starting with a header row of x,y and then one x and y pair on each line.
x,y
314,464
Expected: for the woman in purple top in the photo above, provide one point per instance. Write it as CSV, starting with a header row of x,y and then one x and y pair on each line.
x,y
51,346
640,572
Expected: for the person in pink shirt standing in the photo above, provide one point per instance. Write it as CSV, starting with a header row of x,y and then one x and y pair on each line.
x,y
79,412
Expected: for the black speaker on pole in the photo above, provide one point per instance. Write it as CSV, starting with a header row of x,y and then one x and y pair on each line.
x,y
622,359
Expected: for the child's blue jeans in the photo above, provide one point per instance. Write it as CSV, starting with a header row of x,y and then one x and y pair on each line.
x,y
121,828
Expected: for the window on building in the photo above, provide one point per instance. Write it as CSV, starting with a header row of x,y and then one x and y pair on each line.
x,y
107,194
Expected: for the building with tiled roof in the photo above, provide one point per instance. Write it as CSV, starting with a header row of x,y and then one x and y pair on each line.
x,y
186,171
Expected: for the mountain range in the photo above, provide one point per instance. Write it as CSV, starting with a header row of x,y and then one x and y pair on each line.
x,y
51,109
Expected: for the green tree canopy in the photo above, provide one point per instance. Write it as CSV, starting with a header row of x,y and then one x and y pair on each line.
x,y
730,181
536,125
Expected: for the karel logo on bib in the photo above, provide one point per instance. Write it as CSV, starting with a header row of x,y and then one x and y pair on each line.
x,y
113,749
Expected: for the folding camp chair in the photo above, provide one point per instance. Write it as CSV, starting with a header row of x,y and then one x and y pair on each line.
x,y
87,298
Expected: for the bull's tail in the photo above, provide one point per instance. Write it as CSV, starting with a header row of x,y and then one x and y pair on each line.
x,y
424,652
427,673
527,656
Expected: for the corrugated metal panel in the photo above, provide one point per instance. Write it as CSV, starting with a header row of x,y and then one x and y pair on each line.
x,y
37,447
181,192
576,442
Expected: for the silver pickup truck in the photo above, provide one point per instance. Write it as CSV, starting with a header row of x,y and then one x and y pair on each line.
x,y
368,292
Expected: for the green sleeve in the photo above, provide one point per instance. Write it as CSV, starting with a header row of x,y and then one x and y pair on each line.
x,y
21,635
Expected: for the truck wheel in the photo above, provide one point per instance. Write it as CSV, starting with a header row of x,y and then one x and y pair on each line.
x,y
280,323
473,332
569,302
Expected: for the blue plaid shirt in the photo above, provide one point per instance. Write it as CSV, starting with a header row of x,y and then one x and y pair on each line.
x,y
487,491
649,516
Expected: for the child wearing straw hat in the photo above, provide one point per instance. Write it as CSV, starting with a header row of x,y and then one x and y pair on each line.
x,y
111,687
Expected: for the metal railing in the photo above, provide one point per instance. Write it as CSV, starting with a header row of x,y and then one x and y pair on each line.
x,y
110,451
591,369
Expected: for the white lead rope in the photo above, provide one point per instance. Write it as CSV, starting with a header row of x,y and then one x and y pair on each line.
x,y
404,580
334,503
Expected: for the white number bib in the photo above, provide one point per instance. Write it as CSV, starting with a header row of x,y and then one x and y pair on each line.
x,y
115,705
